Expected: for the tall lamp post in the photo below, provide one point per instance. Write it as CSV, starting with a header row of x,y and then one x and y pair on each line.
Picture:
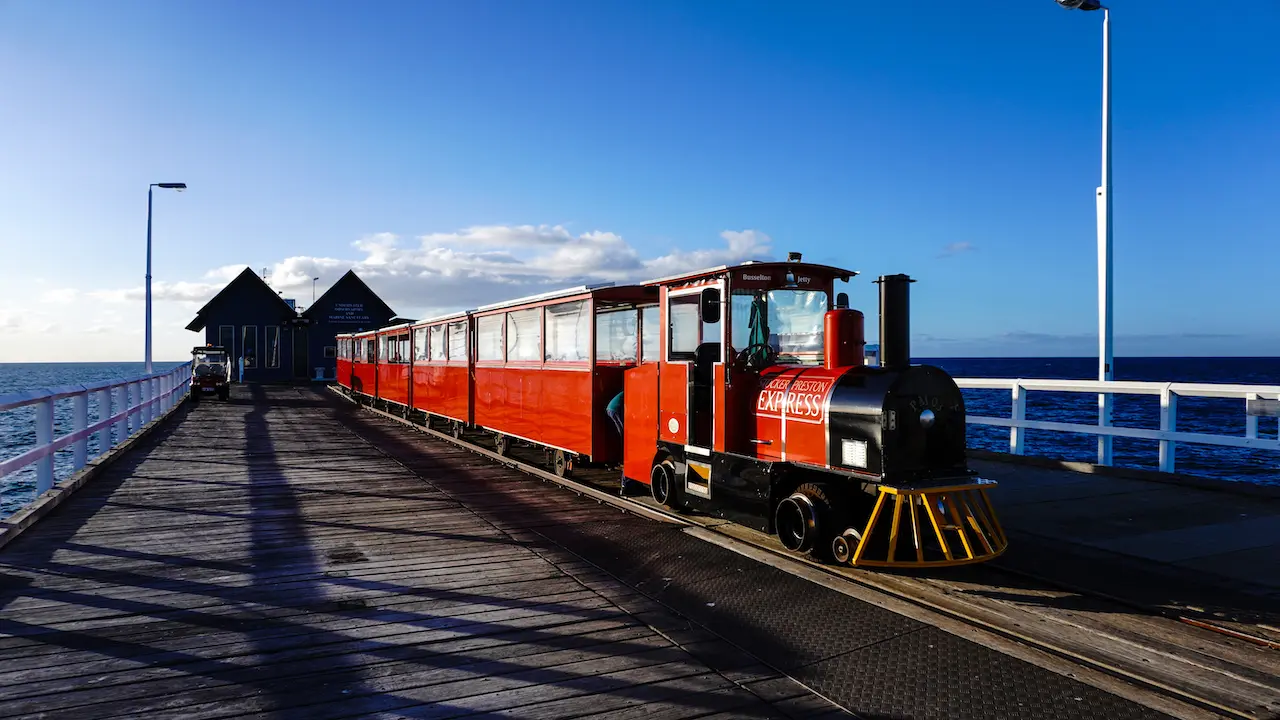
x,y
168,186
313,290
1105,347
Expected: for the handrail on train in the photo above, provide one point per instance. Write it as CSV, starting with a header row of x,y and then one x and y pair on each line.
x,y
125,404
1259,401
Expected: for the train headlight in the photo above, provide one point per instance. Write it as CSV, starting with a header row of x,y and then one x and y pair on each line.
x,y
853,453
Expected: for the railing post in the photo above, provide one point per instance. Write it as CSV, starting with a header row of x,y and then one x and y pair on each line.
x,y
1016,433
1168,423
44,436
1104,420
1250,421
149,394
80,421
122,425
104,412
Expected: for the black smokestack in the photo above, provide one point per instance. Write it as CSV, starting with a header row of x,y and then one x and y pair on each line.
x,y
895,320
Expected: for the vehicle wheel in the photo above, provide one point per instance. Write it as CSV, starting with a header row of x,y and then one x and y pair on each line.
x,y
662,484
803,518
456,430
844,545
501,444
562,464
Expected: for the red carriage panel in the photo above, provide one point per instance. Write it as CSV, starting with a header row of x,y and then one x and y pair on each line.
x,y
364,370
394,354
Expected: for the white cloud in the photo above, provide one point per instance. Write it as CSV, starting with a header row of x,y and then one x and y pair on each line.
x,y
418,277
484,264
957,248
59,296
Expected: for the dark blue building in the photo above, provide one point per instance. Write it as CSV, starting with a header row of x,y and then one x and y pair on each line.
x,y
277,343
348,306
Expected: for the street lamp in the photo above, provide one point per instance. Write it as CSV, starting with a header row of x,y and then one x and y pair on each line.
x,y
167,186
313,290
1105,348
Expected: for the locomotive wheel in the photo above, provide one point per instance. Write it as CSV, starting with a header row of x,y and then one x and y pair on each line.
x,y
562,463
662,482
844,545
802,519
501,444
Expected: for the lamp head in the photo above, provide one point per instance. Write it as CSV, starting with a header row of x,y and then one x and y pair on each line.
x,y
173,186
1080,4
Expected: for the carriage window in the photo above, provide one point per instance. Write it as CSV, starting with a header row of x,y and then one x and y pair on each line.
x,y
616,336
650,333
568,332
402,350
273,346
489,338
524,335
684,325
370,350
419,344
458,341
384,349
437,342
249,346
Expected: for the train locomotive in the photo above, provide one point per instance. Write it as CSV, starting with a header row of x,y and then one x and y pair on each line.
x,y
745,395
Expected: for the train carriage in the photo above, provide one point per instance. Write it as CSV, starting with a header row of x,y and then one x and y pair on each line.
x,y
442,370
362,376
394,359
539,375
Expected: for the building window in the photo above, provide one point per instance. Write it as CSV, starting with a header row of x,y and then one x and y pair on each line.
x,y
249,346
330,351
524,335
273,346
438,349
650,333
458,341
227,339
568,332
489,338
616,336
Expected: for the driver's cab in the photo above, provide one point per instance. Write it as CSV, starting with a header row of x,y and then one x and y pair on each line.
x,y
724,327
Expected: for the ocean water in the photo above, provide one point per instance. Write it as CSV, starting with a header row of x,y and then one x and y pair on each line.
x,y
17,427
17,432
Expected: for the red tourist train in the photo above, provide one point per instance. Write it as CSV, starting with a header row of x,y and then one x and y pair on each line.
x,y
744,394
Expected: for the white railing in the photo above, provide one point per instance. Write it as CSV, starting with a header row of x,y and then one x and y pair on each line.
x,y
126,405
1259,400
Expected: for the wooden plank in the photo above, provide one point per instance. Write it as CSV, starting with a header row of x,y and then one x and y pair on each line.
x,y
261,559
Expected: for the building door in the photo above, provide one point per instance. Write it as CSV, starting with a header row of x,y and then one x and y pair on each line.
x,y
301,356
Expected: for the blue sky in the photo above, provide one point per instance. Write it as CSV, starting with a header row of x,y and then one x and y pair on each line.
x,y
462,152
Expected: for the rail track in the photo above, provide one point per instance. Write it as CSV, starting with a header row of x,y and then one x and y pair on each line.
x,y
1199,682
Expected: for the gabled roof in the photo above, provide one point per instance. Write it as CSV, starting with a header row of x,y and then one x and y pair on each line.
x,y
247,276
348,278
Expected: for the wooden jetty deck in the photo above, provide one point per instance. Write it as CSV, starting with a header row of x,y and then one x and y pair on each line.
x,y
287,556
261,560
